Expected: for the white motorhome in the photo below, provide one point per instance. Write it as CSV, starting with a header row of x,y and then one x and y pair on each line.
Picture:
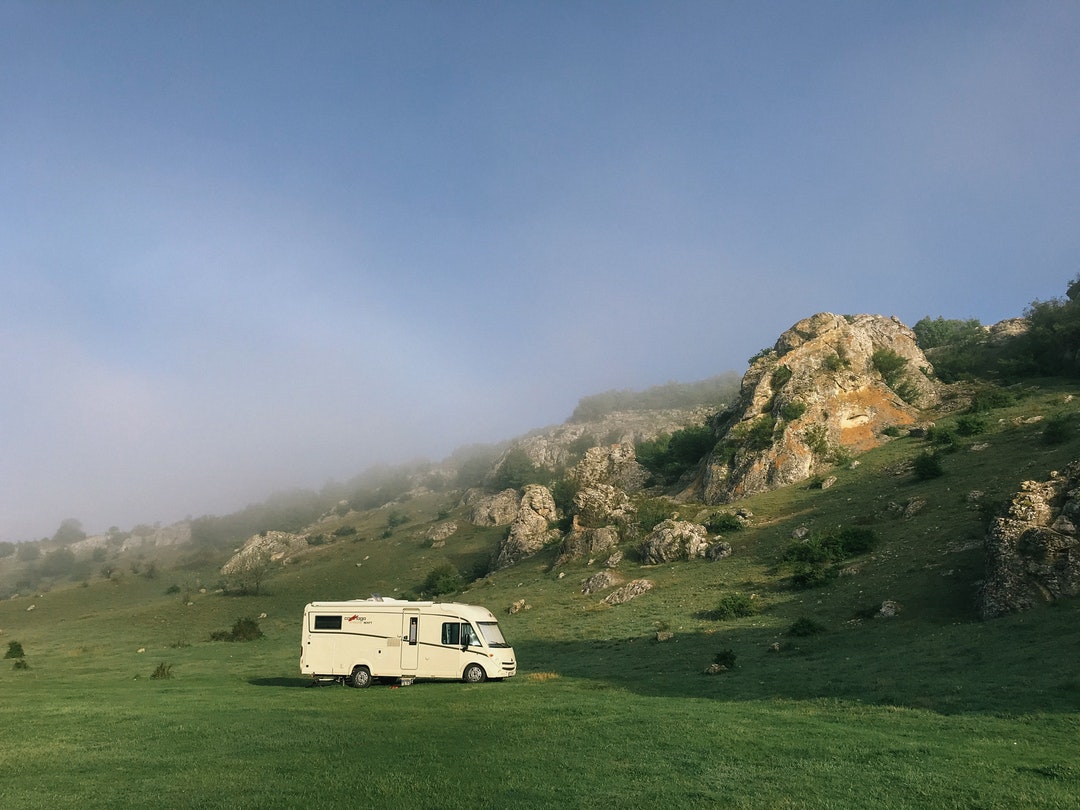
x,y
361,639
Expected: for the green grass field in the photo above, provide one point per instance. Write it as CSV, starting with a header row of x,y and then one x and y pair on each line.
x,y
931,708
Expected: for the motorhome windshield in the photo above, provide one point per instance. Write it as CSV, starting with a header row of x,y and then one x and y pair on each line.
x,y
492,634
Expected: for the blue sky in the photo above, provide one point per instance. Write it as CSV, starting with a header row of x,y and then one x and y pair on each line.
x,y
249,246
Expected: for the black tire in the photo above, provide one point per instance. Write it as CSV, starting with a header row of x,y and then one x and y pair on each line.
x,y
360,678
474,673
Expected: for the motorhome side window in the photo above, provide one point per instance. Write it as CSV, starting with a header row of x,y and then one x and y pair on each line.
x,y
451,633
459,634
327,622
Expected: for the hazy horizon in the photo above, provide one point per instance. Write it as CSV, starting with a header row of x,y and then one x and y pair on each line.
x,y
253,247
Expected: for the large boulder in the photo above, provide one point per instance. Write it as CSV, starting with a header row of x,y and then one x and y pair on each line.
x,y
674,540
498,509
830,388
529,530
1033,552
601,504
613,464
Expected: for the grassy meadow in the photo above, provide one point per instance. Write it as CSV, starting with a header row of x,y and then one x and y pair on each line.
x,y
931,708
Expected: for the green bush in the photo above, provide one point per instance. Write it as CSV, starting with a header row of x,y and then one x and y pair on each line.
x,y
804,626
21,664
734,606
759,436
441,580
651,511
1058,430
14,650
792,410
834,362
780,377
928,466
907,391
815,558
889,365
812,575
725,658
163,672
723,522
990,399
942,438
667,457
245,629
971,425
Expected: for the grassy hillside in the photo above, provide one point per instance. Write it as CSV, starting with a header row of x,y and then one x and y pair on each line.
x,y
930,708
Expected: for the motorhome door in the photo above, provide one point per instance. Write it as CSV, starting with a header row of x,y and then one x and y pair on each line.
x,y
410,640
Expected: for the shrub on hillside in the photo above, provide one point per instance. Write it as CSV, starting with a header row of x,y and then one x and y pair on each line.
x,y
812,575
792,410
14,650
928,466
1059,429
667,457
889,365
441,580
816,559
725,659
245,629
734,606
723,522
971,425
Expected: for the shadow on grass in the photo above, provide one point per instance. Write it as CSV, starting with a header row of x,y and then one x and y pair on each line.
x,y
284,682
1009,666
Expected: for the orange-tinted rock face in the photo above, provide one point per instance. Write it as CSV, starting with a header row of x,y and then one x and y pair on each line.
x,y
823,392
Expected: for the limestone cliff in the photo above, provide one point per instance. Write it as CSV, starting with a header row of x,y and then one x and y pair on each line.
x,y
829,388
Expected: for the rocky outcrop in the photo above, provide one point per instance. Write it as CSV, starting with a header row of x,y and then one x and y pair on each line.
x,y
601,505
263,549
499,509
614,464
1033,553
830,387
581,543
559,447
529,530
674,540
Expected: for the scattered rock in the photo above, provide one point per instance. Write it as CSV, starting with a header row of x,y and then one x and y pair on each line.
x,y
630,590
519,606
715,669
828,482
718,551
664,635
598,582
888,609
439,533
